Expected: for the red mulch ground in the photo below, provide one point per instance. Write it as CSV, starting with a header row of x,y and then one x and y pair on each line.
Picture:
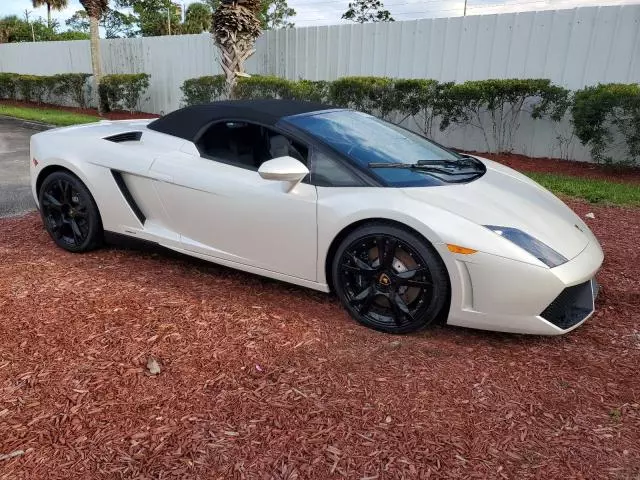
x,y
116,115
565,167
265,380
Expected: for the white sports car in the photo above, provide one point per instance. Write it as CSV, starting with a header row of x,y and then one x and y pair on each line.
x,y
404,231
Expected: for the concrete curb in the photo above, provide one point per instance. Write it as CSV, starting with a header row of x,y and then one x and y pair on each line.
x,y
31,124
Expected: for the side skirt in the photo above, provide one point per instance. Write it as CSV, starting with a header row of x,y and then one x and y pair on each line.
x,y
129,242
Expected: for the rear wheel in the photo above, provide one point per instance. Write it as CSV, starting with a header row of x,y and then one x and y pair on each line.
x,y
69,213
389,279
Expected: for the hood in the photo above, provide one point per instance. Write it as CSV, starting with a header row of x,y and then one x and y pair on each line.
x,y
507,198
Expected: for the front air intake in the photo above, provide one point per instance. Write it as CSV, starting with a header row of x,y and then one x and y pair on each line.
x,y
573,305
125,137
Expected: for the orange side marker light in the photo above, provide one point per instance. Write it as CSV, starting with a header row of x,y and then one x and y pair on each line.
x,y
461,250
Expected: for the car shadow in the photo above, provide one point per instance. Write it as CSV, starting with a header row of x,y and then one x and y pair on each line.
x,y
441,331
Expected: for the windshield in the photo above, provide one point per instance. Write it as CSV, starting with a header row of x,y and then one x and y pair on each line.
x,y
366,139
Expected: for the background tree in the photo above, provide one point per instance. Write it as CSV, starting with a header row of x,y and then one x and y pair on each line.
x,y
116,24
156,17
197,18
14,29
72,35
51,5
95,9
79,21
276,14
235,28
362,11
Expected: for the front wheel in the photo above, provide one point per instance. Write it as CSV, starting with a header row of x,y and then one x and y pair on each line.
x,y
389,279
69,213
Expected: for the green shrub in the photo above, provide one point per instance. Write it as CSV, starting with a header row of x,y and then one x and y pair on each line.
x,y
262,87
8,85
502,101
39,88
122,91
493,106
604,112
311,90
71,87
421,100
258,86
373,95
34,88
203,89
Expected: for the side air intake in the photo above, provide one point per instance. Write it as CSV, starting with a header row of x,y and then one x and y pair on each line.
x,y
126,193
125,137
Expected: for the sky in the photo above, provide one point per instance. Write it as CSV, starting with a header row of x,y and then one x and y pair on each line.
x,y
327,12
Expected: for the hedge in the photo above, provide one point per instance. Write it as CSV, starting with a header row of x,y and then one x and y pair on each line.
x,y
116,92
203,89
61,88
606,117
599,114
122,91
427,102
503,101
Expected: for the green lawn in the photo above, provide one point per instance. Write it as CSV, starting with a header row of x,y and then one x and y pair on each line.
x,y
52,116
596,191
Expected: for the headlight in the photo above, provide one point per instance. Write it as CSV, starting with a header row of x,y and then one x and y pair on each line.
x,y
535,247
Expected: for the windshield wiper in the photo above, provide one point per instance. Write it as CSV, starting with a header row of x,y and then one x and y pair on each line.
x,y
441,166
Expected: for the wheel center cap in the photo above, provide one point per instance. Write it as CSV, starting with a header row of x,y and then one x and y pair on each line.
x,y
384,280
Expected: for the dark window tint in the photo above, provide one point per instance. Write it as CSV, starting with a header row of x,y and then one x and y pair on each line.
x,y
328,172
247,145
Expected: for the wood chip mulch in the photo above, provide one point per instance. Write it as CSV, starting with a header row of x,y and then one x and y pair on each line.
x,y
123,364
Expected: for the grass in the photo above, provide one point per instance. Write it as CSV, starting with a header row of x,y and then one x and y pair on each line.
x,y
592,190
52,116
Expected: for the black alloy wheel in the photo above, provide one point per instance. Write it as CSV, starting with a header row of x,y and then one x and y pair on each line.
x,y
390,279
69,213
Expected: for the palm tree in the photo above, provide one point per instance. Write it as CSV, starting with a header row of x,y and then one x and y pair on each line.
x,y
51,5
235,28
95,9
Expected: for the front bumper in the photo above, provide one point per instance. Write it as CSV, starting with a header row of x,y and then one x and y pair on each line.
x,y
496,293
573,305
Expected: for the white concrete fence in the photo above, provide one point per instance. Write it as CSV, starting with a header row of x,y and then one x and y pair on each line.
x,y
573,48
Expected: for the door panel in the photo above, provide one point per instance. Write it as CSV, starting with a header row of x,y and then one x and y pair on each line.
x,y
144,195
232,213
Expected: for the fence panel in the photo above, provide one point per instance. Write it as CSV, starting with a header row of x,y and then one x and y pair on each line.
x,y
574,48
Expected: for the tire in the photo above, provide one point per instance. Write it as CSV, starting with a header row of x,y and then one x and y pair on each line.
x,y
70,213
402,291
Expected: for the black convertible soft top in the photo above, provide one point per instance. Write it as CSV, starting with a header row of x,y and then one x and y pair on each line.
x,y
189,122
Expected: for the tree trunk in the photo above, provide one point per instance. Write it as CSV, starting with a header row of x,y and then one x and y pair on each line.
x,y
234,53
96,62
48,15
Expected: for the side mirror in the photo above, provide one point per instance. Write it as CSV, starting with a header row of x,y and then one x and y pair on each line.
x,y
284,169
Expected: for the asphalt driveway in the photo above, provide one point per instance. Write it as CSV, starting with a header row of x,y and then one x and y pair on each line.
x,y
15,192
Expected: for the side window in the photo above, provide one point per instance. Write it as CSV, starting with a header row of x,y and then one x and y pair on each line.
x,y
247,145
327,172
